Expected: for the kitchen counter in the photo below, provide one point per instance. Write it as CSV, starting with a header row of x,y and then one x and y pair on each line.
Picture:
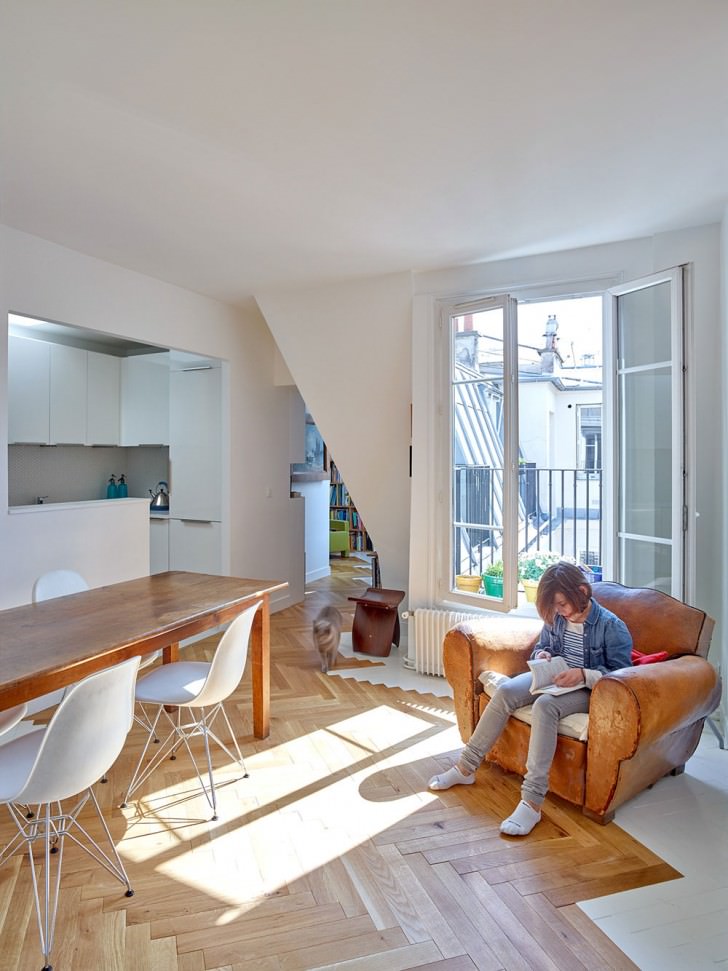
x,y
44,507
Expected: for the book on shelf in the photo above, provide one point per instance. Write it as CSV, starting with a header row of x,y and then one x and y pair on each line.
x,y
543,672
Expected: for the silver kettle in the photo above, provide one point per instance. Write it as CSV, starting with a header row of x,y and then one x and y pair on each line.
x,y
160,498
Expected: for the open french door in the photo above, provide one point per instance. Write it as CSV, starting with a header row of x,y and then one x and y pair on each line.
x,y
648,485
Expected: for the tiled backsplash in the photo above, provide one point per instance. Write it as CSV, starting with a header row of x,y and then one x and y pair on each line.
x,y
72,473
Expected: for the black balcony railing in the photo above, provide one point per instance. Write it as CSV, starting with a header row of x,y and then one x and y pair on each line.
x,y
559,510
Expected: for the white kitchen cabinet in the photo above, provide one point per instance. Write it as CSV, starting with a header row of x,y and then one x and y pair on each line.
x,y
103,399
29,364
145,399
195,444
68,395
195,545
158,544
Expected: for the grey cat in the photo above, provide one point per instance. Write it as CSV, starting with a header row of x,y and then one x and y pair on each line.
x,y
326,635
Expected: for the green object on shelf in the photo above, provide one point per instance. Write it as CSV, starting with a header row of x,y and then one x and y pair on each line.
x,y
493,585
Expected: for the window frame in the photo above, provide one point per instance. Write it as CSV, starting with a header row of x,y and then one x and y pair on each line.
x,y
581,447
430,550
447,311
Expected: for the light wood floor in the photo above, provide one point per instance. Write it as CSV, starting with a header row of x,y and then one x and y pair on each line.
x,y
332,853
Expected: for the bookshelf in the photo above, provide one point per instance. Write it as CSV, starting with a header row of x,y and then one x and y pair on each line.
x,y
341,507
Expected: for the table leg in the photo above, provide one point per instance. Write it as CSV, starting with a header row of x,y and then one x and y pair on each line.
x,y
260,643
170,653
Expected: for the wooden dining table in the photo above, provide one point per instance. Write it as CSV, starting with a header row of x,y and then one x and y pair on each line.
x,y
48,645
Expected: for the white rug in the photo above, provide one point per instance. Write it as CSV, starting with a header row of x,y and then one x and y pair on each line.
x,y
391,672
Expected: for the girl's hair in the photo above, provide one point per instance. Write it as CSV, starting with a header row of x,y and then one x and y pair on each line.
x,y
568,580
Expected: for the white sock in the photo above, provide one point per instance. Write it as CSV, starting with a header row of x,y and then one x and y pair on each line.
x,y
521,821
453,777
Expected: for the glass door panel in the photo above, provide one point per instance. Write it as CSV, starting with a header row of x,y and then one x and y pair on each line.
x,y
477,375
644,326
647,564
650,443
646,453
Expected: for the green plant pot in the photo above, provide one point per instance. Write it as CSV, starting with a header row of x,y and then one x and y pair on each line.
x,y
493,585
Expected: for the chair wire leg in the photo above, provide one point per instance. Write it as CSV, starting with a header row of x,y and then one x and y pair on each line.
x,y
241,760
205,735
51,825
46,910
139,775
180,735
184,734
94,850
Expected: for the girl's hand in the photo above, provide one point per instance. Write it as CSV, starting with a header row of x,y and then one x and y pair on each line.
x,y
570,678
543,655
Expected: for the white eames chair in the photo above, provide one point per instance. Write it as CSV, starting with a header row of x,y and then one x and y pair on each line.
x,y
48,586
61,583
11,716
197,690
58,583
59,762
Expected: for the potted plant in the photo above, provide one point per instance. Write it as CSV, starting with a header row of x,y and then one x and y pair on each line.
x,y
532,566
468,582
493,579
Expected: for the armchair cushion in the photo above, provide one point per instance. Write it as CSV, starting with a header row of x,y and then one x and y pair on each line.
x,y
644,722
574,726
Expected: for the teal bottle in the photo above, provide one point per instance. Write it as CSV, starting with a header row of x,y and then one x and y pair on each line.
x,y
122,490
112,489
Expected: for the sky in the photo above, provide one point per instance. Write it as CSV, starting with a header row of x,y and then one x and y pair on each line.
x,y
580,326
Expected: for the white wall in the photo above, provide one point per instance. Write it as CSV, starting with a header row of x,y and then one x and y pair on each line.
x,y
103,541
315,496
348,348
722,411
43,280
536,403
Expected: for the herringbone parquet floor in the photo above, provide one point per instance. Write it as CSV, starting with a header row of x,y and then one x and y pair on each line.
x,y
332,854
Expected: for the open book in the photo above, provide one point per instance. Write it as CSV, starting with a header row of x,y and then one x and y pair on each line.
x,y
543,672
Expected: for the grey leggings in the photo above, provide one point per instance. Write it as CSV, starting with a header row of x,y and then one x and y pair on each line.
x,y
547,712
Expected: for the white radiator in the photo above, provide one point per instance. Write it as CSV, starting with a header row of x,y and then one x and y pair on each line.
x,y
426,629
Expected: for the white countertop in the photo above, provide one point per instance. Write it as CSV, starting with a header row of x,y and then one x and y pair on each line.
x,y
43,507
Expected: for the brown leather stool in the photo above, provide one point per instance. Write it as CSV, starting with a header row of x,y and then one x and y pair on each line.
x,y
376,621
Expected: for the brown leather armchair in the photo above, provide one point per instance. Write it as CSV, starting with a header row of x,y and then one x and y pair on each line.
x,y
644,721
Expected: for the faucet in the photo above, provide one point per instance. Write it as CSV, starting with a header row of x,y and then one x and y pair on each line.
x,y
39,500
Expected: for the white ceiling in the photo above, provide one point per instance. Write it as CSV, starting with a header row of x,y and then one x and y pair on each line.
x,y
234,146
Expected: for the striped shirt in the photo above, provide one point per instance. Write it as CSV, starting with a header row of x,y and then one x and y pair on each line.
x,y
573,652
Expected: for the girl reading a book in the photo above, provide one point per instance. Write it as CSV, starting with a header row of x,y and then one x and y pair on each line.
x,y
592,641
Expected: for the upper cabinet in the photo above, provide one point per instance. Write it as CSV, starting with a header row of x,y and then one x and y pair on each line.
x,y
60,395
103,397
68,395
29,375
145,399
195,444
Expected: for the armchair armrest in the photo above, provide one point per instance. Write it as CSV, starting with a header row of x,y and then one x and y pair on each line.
x,y
500,644
640,726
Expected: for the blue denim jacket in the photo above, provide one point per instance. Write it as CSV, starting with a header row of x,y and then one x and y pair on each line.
x,y
607,641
